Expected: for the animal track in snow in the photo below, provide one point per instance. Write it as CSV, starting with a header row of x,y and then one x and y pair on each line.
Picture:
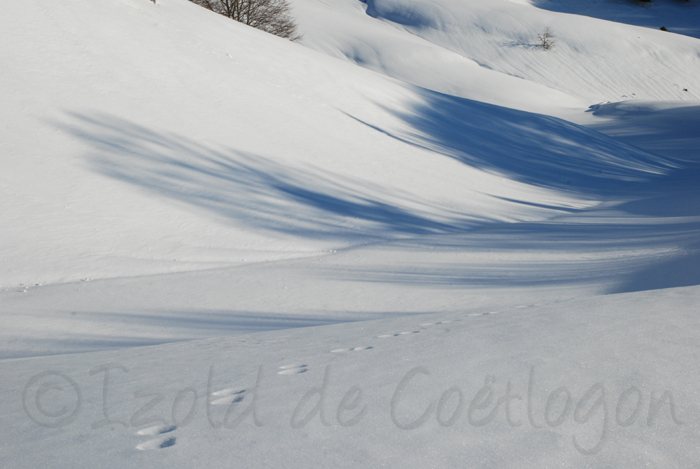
x,y
384,336
228,396
428,324
228,392
227,400
292,369
156,430
156,443
354,349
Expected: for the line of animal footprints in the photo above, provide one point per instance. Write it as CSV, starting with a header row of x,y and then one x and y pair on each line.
x,y
159,442
301,368
428,324
222,397
397,334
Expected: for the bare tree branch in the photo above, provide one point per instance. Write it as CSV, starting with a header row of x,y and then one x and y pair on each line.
x,y
272,16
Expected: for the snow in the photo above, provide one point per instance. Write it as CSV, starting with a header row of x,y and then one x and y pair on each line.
x,y
221,248
592,59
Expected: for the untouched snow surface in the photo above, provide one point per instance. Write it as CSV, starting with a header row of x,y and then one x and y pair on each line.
x,y
221,248
594,60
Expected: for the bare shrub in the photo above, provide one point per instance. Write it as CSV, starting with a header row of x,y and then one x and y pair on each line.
x,y
546,39
272,16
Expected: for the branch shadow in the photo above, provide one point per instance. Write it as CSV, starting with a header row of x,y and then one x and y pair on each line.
x,y
535,149
520,44
240,187
671,129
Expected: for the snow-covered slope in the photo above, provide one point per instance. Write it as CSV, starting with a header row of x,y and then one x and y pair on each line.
x,y
169,175
168,139
436,44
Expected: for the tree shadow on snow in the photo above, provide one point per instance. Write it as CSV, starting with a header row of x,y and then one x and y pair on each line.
x,y
671,129
650,199
256,191
618,256
535,149
647,191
